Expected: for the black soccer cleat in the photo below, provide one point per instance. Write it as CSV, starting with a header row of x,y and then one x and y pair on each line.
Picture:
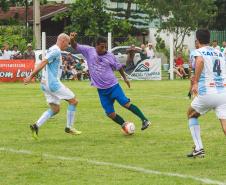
x,y
34,130
189,94
197,153
145,124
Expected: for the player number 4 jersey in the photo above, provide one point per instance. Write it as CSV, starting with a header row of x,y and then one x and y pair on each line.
x,y
213,77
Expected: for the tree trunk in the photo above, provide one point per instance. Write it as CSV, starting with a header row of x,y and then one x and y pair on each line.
x,y
128,9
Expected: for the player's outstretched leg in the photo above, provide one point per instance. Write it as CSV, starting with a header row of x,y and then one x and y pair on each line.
x,y
223,124
134,109
71,118
194,126
44,117
117,119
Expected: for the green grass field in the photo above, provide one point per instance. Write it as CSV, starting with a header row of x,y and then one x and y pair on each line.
x,y
102,155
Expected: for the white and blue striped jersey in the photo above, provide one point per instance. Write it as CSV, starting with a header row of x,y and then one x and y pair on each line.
x,y
51,73
213,77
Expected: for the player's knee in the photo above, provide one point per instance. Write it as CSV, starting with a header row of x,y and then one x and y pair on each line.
x,y
56,110
76,102
192,114
112,115
127,105
73,102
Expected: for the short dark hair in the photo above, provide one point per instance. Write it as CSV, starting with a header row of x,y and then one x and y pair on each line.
x,y
203,36
101,39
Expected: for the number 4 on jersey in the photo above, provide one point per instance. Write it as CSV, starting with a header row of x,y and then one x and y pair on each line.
x,y
217,67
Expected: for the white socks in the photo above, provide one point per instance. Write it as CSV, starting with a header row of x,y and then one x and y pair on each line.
x,y
70,116
195,132
45,116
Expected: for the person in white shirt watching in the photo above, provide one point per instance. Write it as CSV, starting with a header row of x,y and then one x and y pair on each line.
x,y
150,51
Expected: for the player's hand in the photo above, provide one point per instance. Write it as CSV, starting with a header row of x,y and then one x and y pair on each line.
x,y
27,80
195,89
73,36
127,82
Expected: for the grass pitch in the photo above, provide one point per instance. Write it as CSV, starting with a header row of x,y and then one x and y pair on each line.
x,y
102,155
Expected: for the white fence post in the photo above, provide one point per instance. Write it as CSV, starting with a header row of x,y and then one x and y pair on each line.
x,y
43,44
109,41
171,57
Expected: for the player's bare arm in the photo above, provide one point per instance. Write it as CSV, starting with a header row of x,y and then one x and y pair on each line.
x,y
36,70
121,71
198,70
73,36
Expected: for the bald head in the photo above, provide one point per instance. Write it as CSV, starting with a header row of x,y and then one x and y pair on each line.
x,y
63,41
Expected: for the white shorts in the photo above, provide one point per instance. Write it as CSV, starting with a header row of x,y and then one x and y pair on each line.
x,y
63,93
205,103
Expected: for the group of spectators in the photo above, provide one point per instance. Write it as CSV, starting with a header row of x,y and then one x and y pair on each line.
x,y
74,69
179,67
7,54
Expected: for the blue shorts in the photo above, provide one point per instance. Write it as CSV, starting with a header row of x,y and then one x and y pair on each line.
x,y
108,96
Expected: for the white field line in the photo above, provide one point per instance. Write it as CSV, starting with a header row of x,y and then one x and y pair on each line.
x,y
115,165
164,97
169,97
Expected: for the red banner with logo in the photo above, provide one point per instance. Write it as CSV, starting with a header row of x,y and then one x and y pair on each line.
x,y
15,70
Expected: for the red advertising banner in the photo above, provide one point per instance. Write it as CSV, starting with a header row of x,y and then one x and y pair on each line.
x,y
15,70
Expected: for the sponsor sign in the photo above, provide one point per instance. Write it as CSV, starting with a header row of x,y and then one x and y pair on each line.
x,y
15,70
149,69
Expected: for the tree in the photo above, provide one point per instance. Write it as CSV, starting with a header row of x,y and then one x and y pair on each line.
x,y
89,18
5,4
180,16
219,23
125,11
13,35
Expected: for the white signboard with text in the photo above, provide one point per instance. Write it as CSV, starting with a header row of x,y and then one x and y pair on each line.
x,y
149,69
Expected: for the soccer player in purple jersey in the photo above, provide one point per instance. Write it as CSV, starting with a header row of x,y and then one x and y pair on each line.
x,y
102,65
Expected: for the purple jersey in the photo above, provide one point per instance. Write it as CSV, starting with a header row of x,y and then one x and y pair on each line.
x,y
101,67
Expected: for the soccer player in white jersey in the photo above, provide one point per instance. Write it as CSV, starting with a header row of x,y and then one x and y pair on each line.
x,y
53,89
209,88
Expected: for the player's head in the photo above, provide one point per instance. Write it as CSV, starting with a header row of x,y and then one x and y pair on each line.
x,y
203,36
63,41
101,45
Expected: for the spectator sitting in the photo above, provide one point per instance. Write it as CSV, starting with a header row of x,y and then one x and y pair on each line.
x,y
69,59
6,55
16,54
29,53
68,72
179,62
79,67
150,51
64,66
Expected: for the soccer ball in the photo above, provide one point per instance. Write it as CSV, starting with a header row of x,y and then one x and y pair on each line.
x,y
129,128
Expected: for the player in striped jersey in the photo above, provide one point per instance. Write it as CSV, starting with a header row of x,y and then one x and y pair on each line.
x,y
52,87
209,88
